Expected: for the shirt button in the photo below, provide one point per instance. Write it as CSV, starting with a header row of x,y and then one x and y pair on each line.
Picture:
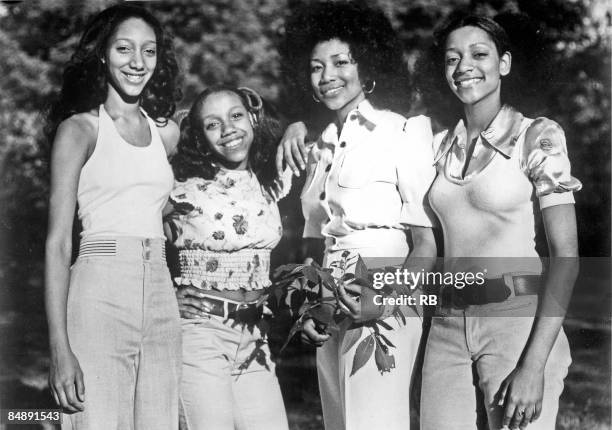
x,y
322,195
328,168
342,144
353,117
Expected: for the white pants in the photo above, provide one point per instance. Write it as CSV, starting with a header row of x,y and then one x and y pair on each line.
x,y
368,399
228,380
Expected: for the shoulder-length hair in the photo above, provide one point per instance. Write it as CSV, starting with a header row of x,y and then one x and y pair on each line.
x,y
194,157
84,83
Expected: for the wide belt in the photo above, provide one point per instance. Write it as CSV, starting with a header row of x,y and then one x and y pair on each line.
x,y
239,311
494,290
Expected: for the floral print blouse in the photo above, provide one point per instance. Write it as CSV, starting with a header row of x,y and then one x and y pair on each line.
x,y
225,229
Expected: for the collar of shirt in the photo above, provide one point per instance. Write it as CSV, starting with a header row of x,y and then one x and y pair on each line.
x,y
363,117
501,134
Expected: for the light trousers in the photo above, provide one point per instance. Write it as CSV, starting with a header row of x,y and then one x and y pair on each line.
x,y
123,327
468,355
228,379
368,399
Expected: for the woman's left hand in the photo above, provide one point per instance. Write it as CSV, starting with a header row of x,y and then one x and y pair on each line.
x,y
521,396
357,303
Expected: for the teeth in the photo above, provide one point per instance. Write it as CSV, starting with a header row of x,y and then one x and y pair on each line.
x,y
233,143
134,78
468,82
332,92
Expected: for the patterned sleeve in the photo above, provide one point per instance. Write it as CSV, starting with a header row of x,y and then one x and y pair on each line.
x,y
416,172
545,161
184,196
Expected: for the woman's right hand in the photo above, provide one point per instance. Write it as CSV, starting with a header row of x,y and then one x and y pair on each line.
x,y
311,335
66,380
292,149
191,302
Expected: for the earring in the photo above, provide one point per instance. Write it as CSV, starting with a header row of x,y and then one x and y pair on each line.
x,y
315,98
372,84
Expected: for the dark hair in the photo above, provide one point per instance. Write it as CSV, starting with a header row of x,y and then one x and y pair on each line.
x,y
84,84
514,33
373,44
194,158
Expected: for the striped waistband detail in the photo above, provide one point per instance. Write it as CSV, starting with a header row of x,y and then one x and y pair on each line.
x,y
98,248
142,248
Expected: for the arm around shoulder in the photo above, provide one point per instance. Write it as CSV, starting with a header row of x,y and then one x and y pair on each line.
x,y
170,134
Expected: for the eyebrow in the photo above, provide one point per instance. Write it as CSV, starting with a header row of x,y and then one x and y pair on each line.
x,y
127,39
452,48
214,115
334,55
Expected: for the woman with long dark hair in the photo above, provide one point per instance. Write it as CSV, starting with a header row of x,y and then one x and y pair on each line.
x,y
496,353
113,319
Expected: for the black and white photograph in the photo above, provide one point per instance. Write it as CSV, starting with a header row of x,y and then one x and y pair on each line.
x,y
305,215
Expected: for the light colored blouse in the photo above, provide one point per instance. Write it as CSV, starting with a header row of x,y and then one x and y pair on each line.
x,y
225,229
488,210
367,183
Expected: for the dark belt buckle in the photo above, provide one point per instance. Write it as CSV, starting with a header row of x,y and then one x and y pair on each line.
x,y
247,314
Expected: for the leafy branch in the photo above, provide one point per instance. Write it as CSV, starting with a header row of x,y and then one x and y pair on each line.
x,y
301,287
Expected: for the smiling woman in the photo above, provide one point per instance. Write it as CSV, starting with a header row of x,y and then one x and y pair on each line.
x,y
113,321
224,223
368,174
131,57
498,355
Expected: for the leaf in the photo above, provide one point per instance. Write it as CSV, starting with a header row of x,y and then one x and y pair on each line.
x,y
297,326
284,270
348,277
299,268
362,282
310,273
399,315
327,280
384,361
384,324
351,337
363,353
323,312
361,270
386,340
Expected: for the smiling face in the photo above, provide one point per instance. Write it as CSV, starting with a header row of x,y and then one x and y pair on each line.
x,y
131,57
334,77
474,67
227,129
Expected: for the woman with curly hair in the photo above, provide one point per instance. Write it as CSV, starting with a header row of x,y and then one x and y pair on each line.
x,y
225,224
113,320
496,353
368,175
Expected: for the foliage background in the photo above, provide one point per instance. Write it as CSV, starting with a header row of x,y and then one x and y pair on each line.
x,y
234,41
